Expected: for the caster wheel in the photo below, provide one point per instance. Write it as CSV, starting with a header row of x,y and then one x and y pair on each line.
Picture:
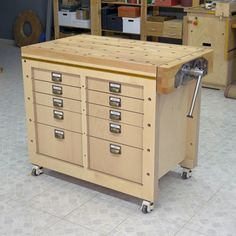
x,y
147,207
144,209
186,173
36,171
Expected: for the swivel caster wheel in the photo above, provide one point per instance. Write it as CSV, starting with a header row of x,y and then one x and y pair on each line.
x,y
147,207
36,171
186,173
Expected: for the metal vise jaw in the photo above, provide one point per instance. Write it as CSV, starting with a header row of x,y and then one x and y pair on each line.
x,y
196,70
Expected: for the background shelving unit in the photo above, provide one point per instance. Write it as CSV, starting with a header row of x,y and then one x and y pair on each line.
x,y
170,30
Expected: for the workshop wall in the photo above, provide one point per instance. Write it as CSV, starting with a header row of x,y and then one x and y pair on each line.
x,y
10,9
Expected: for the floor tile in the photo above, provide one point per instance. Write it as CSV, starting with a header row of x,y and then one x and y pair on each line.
x,y
102,213
16,219
218,218
61,200
65,228
187,232
146,225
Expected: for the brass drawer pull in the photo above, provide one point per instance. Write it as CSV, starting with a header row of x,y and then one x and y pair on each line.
x,y
114,88
57,102
115,102
116,129
59,134
59,115
57,90
56,77
115,115
115,149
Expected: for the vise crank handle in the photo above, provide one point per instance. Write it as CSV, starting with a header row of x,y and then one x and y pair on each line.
x,y
196,90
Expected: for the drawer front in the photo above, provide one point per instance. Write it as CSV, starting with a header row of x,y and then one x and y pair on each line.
x,y
58,103
114,101
58,118
56,77
115,88
154,28
57,90
115,159
115,115
60,144
173,29
172,35
120,133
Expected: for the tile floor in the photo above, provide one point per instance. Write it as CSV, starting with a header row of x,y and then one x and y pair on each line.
x,y
53,204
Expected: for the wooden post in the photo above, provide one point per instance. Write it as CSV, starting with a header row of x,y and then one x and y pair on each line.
x,y
56,23
95,16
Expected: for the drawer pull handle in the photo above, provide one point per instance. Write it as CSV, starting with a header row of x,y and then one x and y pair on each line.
x,y
115,129
59,134
56,77
115,115
115,149
115,102
59,115
114,88
57,90
57,102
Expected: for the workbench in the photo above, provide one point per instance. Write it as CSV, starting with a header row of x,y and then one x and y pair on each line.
x,y
214,29
113,111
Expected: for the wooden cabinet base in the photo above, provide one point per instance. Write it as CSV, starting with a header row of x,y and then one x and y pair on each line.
x,y
117,129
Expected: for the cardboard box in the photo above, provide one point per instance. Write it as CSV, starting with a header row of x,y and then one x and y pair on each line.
x,y
128,11
167,3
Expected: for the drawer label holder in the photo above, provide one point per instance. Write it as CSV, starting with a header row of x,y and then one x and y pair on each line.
x,y
114,102
115,149
114,88
59,115
59,134
57,102
114,128
56,77
115,115
57,90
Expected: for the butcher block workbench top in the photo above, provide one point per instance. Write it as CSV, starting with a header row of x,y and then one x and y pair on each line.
x,y
146,59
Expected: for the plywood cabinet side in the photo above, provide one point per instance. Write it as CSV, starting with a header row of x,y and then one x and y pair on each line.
x,y
207,30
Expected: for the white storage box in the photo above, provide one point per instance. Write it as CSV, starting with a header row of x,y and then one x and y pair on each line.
x,y
64,18
131,25
69,19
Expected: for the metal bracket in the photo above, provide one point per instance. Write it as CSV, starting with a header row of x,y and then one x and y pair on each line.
x,y
196,70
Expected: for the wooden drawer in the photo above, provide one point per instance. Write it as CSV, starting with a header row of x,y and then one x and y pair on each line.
x,y
126,165
120,133
173,29
56,77
115,101
115,88
58,103
57,90
154,28
60,144
115,115
63,119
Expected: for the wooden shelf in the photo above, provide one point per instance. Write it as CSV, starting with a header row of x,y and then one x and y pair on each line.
x,y
122,3
120,32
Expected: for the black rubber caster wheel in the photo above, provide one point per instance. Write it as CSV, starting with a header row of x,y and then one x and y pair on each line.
x,y
184,175
34,172
144,210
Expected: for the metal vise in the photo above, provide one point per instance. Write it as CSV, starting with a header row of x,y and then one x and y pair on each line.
x,y
196,70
